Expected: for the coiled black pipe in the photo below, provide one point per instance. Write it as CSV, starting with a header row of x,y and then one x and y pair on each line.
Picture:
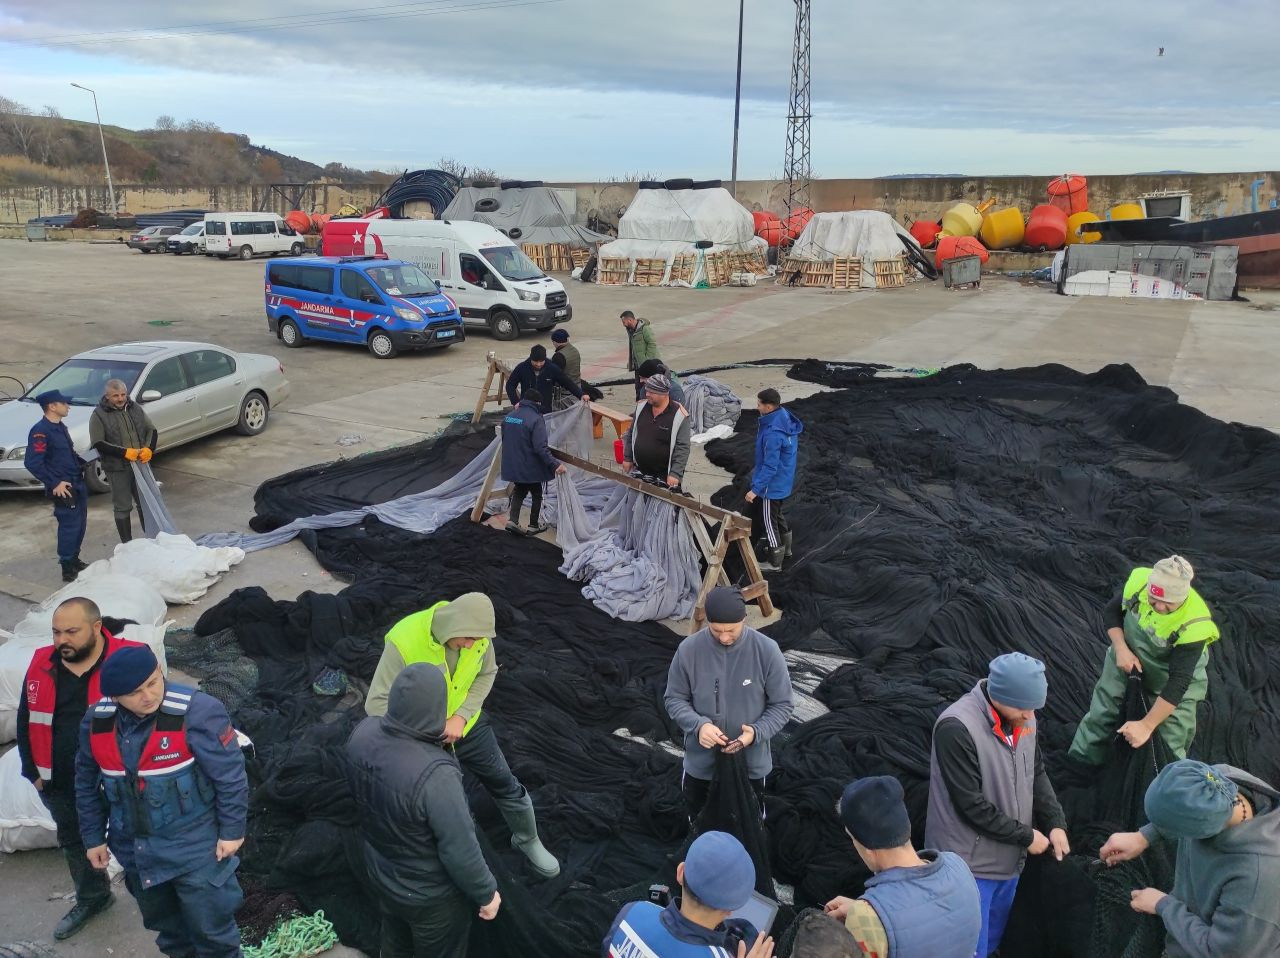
x,y
432,186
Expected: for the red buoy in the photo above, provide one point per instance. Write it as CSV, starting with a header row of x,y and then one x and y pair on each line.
x,y
1046,228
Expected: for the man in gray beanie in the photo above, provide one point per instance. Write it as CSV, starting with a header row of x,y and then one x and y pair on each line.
x,y
727,688
1225,898
1158,625
657,444
990,800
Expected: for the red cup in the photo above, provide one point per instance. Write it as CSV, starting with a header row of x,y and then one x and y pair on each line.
x,y
617,450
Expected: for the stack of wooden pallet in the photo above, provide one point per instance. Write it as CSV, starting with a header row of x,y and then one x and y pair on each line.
x,y
846,272
649,272
749,261
549,257
891,273
718,268
613,272
580,257
683,267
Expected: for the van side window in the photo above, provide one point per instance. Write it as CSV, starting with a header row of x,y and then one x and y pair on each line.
x,y
355,286
241,229
167,377
314,279
264,228
281,275
474,271
215,228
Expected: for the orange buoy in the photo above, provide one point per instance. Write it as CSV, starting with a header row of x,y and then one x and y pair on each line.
x,y
298,221
949,247
1077,220
1069,193
768,227
925,232
797,221
1046,228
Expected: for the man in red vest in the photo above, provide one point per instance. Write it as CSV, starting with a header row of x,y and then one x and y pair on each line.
x,y
61,683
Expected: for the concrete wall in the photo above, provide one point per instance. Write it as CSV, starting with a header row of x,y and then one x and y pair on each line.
x,y
1213,194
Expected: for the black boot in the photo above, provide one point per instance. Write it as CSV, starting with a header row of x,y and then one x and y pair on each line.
x,y
79,566
69,571
79,915
124,527
786,545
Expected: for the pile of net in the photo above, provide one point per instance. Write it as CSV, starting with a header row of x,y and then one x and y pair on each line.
x,y
939,521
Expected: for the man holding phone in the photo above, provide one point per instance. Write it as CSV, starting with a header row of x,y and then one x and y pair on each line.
x,y
727,688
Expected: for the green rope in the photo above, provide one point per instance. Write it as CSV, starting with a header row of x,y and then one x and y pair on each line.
x,y
296,938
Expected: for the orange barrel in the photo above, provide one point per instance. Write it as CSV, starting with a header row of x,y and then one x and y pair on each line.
x,y
1125,211
768,227
962,220
925,232
1074,222
318,220
1046,228
298,221
1002,229
949,247
797,221
1069,193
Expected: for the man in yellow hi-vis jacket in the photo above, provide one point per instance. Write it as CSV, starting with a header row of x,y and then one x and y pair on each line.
x,y
457,637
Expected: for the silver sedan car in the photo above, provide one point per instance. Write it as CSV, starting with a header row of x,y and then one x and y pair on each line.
x,y
189,390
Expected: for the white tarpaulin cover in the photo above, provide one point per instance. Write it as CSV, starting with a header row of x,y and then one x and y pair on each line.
x,y
122,597
539,214
662,224
24,821
868,234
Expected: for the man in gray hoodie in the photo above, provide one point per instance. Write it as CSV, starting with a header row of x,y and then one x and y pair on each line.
x,y
1226,883
420,849
727,688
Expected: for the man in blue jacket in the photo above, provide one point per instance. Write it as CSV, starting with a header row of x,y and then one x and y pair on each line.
x,y
51,457
536,374
178,842
777,439
526,459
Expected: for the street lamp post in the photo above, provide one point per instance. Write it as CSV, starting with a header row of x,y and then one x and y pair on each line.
x,y
737,98
105,162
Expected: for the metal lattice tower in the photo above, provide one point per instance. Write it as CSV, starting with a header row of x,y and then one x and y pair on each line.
x,y
797,166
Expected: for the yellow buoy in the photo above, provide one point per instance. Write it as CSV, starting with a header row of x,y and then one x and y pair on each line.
x,y
1002,229
1126,211
1074,222
962,220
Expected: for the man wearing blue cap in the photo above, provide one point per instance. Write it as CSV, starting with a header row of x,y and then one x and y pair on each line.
x,y
51,457
1226,884
177,844
916,904
990,800
716,879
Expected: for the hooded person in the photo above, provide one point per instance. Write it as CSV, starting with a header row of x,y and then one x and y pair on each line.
x,y
122,433
990,800
1159,625
773,477
457,638
425,867
728,689
1226,823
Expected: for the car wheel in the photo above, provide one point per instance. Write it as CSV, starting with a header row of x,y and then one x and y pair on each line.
x,y
296,249
380,344
96,478
246,252
253,415
289,334
503,326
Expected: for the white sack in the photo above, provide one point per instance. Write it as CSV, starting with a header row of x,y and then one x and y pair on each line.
x,y
180,570
25,823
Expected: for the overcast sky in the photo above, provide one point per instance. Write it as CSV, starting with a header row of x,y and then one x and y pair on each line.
x,y
587,89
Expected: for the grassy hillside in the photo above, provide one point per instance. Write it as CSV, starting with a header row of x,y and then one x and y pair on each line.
x,y
48,150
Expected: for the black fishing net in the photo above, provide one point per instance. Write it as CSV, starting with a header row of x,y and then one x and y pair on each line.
x,y
939,521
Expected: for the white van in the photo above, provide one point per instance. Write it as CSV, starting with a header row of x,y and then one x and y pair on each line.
x,y
249,234
494,284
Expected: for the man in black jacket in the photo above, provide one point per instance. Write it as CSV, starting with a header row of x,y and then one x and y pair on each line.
x,y
535,373
420,850
123,434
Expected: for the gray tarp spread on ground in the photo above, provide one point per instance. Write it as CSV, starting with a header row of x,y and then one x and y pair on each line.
x,y
155,514
639,558
709,402
542,214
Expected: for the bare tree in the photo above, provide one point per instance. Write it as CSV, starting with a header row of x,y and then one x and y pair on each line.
x,y
201,126
165,123
17,119
47,140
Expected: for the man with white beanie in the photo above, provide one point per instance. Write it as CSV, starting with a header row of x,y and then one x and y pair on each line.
x,y
990,800
1160,626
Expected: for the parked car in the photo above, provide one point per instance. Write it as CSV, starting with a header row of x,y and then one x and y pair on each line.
x,y
246,235
190,240
152,238
384,304
189,390
496,286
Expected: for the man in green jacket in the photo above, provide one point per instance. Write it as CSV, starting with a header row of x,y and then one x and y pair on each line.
x,y
640,346
457,637
1227,825
1161,627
